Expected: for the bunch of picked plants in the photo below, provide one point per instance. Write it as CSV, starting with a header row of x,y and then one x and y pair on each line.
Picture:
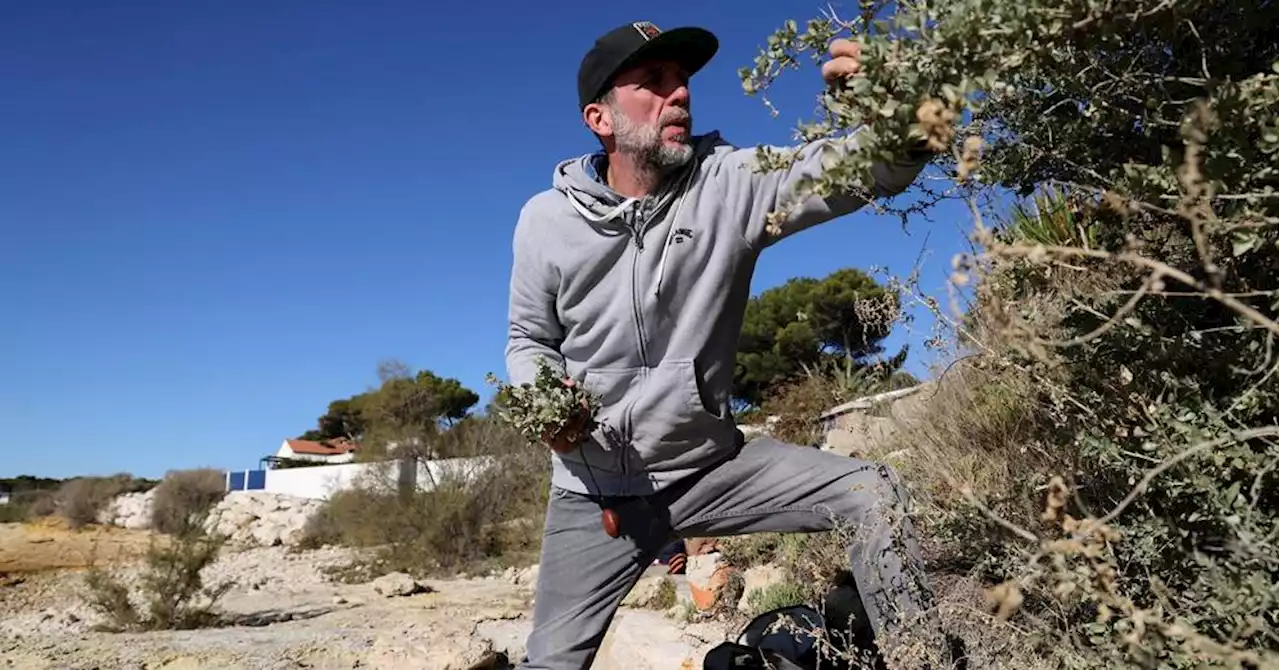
x,y
551,410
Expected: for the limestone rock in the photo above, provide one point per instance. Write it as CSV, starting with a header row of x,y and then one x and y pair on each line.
x,y
707,575
646,640
656,592
396,584
258,518
129,510
759,578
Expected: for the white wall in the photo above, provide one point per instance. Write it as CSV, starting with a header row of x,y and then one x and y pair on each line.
x,y
317,481
321,481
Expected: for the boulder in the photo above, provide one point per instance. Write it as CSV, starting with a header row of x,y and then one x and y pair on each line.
x,y
396,584
707,575
258,518
657,592
128,510
646,640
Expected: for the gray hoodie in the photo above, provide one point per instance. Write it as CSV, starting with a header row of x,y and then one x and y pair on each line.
x,y
643,300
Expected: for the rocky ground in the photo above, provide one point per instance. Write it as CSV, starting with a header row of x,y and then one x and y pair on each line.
x,y
284,612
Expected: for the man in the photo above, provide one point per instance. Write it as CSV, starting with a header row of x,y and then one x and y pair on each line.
x,y
631,276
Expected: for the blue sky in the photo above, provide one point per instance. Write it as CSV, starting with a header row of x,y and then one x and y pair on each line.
x,y
217,217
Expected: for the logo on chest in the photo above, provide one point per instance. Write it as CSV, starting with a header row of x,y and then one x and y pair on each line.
x,y
681,236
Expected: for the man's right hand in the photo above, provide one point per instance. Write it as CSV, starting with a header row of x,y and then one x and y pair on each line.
x,y
570,436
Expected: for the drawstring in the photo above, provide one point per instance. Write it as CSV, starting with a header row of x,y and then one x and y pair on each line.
x,y
586,213
626,204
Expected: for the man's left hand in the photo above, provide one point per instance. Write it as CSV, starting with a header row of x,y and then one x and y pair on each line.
x,y
845,61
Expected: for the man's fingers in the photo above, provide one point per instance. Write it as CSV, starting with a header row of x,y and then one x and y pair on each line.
x,y
839,68
847,48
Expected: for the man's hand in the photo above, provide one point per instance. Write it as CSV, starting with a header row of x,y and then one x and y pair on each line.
x,y
570,436
845,61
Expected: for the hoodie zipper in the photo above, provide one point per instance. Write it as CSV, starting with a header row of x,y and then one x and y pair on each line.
x,y
639,223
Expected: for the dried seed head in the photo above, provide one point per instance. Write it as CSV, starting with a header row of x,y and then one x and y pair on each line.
x,y
935,120
1056,499
1005,599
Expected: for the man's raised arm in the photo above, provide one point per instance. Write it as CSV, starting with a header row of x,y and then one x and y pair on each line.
x,y
762,193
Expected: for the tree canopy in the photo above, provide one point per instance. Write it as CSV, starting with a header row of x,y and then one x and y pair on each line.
x,y
807,323
419,402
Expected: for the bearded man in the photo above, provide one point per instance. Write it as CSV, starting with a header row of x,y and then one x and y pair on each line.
x,y
631,277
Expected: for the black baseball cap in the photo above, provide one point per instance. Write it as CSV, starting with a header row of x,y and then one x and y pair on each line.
x,y
629,44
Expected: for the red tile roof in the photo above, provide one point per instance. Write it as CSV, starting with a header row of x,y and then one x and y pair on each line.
x,y
321,448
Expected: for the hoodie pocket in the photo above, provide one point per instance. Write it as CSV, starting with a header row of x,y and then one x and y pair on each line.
x,y
604,451
671,427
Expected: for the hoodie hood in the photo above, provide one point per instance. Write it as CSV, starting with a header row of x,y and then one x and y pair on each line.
x,y
580,179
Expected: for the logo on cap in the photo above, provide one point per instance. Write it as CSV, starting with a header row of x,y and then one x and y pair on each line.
x,y
648,30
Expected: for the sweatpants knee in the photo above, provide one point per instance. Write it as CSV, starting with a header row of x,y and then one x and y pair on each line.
x,y
870,488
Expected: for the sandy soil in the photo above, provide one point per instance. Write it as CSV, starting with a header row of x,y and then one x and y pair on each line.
x,y
49,544
284,612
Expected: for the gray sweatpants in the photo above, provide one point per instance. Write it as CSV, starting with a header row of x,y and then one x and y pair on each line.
x,y
767,486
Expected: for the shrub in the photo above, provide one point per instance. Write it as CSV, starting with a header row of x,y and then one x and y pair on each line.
x,y
1119,337
774,596
184,496
80,500
800,403
464,520
813,562
798,406
171,592
14,512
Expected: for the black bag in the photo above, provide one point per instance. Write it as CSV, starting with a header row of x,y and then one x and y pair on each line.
x,y
785,638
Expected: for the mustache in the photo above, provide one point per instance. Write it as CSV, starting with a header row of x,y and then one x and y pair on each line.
x,y
675,116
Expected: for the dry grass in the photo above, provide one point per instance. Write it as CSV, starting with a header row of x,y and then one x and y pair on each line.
x,y
469,519
184,495
798,405
971,443
80,500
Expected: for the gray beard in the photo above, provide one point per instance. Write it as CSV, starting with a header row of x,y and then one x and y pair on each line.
x,y
643,144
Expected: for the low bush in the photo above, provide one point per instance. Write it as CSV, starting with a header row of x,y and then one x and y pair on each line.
x,y
80,500
14,512
774,596
468,519
811,562
171,593
184,495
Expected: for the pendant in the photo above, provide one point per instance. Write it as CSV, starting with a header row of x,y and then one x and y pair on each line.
x,y
609,519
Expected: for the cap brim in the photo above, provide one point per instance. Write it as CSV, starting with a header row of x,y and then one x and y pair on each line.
x,y
691,47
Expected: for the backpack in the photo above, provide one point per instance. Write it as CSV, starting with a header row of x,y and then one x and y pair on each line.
x,y
781,639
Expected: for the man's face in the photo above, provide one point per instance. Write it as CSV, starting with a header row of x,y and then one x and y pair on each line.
x,y
649,114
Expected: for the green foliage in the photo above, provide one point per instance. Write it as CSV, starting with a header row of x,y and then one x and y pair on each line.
x,y
805,324
1131,310
1050,218
812,562
774,596
407,407
171,593
541,410
344,420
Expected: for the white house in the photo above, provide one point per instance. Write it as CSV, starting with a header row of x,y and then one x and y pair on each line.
x,y
336,451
